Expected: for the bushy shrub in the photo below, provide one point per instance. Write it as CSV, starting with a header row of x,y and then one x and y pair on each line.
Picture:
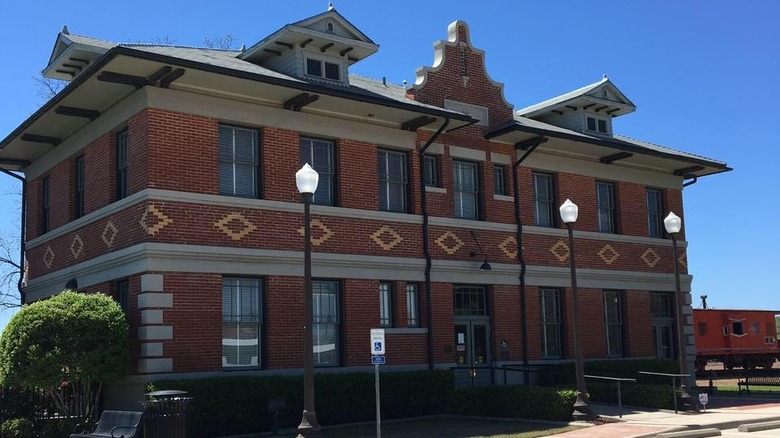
x,y
236,405
633,394
17,428
558,374
533,402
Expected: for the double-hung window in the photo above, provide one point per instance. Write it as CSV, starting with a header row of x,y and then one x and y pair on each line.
x,y
123,295
241,322
323,69
613,319
551,323
385,305
393,182
544,201
45,204
465,187
499,180
321,155
327,323
412,305
79,187
605,194
597,125
431,170
238,162
655,223
121,165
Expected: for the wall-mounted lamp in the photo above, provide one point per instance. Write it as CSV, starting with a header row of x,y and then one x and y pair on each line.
x,y
72,284
485,266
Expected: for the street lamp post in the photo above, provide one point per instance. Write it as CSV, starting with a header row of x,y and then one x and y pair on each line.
x,y
673,223
582,410
307,179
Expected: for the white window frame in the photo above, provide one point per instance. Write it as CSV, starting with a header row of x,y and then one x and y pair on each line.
x,y
385,304
461,192
235,319
552,323
614,326
229,161
596,120
387,181
323,68
412,305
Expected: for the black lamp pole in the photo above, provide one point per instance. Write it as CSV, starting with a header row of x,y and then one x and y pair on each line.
x,y
309,428
582,410
685,396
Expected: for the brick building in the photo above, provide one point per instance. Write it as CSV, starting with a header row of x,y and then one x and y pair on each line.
x,y
164,176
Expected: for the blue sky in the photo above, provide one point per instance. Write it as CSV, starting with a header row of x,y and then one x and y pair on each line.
x,y
705,76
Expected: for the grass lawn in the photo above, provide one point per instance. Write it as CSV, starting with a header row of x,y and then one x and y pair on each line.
x,y
448,427
755,391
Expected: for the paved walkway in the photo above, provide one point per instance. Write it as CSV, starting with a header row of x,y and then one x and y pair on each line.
x,y
725,414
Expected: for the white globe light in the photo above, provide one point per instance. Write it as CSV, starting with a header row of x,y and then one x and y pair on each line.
x,y
569,211
307,179
672,223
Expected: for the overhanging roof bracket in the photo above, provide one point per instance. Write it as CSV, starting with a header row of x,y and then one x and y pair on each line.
x,y
54,141
121,78
685,171
166,81
77,112
298,102
530,143
416,123
609,159
159,74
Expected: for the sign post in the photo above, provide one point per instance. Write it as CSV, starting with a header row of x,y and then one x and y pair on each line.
x,y
377,358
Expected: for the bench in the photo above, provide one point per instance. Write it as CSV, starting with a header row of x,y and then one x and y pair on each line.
x,y
114,424
757,381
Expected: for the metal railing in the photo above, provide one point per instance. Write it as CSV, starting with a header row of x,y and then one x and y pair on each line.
x,y
619,380
674,383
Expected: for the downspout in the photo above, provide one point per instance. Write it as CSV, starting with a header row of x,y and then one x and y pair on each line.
x,y
21,233
531,146
426,247
691,182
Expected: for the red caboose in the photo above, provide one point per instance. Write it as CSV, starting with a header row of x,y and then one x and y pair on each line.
x,y
737,338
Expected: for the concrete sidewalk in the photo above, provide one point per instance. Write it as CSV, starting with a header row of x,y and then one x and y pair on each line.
x,y
724,415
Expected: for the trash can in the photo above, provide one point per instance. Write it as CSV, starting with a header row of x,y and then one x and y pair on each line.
x,y
165,414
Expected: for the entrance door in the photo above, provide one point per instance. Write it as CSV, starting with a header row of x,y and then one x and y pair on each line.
x,y
662,341
472,343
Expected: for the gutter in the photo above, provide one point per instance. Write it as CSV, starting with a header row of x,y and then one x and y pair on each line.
x,y
426,246
21,233
531,146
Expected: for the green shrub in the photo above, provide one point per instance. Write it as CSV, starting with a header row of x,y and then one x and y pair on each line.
x,y
633,394
236,405
533,402
558,374
18,428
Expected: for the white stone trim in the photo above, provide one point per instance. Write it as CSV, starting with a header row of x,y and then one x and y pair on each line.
x,y
151,349
406,330
502,159
503,198
434,148
152,283
467,153
155,332
148,366
431,189
154,316
154,299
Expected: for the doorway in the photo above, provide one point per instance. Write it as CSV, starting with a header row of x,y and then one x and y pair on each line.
x,y
472,342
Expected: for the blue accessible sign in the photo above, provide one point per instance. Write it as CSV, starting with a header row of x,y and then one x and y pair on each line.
x,y
377,360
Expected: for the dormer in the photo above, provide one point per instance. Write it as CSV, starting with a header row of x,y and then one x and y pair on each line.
x,y
588,110
318,49
72,54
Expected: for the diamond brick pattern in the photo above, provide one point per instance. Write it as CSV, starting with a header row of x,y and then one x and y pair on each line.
x,y
76,247
48,257
235,226
153,220
450,242
650,257
560,250
608,254
320,233
110,232
683,259
509,247
387,238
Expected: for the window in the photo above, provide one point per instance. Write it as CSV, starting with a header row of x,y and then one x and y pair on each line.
x,y
79,187
613,319
499,180
551,323
661,304
393,183
702,329
655,223
470,301
544,201
241,322
737,329
316,67
320,154
385,305
121,165
605,192
238,162
412,306
327,324
465,186
123,295
597,125
45,205
431,171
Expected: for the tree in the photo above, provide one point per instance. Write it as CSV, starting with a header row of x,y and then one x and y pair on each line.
x,y
71,343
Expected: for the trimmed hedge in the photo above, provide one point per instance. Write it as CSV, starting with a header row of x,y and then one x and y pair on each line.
x,y
633,394
236,405
531,402
552,375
